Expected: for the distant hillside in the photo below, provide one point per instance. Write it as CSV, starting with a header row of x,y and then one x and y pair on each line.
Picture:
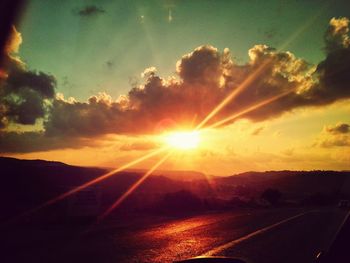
x,y
28,183
293,182
181,175
11,162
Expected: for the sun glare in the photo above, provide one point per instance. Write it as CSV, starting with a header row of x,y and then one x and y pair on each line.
x,y
184,140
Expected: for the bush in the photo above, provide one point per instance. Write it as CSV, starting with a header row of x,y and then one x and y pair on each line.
x,y
273,196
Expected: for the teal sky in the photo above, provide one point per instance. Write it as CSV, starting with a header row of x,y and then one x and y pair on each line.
x,y
107,51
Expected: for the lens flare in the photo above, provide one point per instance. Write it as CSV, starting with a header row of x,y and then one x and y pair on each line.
x,y
133,187
90,183
249,109
259,70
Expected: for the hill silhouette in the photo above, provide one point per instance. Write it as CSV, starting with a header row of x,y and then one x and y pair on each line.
x,y
28,183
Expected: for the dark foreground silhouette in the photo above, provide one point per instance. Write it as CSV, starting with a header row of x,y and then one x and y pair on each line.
x,y
168,217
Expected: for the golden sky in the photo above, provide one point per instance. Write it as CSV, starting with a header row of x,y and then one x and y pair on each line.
x,y
272,111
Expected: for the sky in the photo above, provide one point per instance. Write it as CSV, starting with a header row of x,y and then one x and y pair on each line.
x,y
102,83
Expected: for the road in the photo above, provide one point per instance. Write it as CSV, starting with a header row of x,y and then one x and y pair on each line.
x,y
266,235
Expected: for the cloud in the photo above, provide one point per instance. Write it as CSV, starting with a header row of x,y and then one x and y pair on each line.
x,y
139,146
14,41
110,64
257,131
205,65
288,152
90,10
148,72
9,56
333,73
339,128
270,34
336,36
204,78
26,142
24,94
99,115
334,136
339,141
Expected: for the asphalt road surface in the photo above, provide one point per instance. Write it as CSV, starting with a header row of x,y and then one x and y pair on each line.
x,y
258,236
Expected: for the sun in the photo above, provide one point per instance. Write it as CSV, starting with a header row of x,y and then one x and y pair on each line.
x,y
183,140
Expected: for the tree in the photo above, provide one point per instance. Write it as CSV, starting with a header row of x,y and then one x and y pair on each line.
x,y
271,195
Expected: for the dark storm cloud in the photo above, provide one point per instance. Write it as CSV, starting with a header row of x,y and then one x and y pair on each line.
x,y
333,73
24,94
204,78
90,10
38,141
78,119
336,36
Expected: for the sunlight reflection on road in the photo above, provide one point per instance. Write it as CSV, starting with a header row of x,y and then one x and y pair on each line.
x,y
180,238
180,226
